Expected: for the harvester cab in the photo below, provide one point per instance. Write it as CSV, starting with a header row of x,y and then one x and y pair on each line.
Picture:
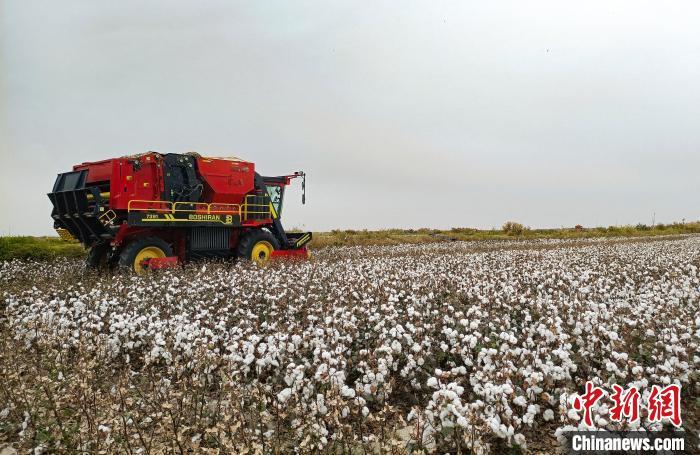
x,y
154,210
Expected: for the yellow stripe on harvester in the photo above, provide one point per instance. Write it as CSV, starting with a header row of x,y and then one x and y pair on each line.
x,y
303,239
171,218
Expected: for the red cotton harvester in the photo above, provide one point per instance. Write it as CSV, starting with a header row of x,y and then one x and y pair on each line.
x,y
154,210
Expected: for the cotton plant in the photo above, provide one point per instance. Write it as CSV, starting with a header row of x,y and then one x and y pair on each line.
x,y
456,346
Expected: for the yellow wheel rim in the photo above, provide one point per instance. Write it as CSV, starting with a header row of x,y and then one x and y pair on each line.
x,y
149,252
261,252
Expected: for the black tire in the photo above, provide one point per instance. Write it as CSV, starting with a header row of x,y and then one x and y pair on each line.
x,y
128,255
252,238
97,257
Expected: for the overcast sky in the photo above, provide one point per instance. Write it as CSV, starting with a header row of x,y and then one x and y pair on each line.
x,y
403,114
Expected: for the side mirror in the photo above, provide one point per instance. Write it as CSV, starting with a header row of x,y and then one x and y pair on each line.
x,y
302,174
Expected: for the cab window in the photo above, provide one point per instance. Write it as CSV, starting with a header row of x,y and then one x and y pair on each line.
x,y
275,193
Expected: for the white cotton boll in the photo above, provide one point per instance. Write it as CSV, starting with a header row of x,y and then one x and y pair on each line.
x,y
365,411
520,401
450,395
284,395
459,370
458,389
347,392
548,415
432,382
520,440
495,425
411,415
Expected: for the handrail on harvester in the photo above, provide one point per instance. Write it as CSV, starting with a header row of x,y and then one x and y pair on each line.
x,y
197,207
244,210
167,204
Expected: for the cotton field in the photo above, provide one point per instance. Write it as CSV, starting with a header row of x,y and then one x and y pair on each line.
x,y
447,347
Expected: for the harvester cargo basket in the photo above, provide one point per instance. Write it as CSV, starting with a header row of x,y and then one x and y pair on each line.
x,y
73,211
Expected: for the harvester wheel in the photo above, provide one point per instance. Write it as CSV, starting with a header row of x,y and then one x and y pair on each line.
x,y
138,250
257,246
97,256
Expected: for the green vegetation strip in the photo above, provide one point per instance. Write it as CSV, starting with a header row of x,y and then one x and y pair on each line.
x,y
510,231
50,247
38,248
